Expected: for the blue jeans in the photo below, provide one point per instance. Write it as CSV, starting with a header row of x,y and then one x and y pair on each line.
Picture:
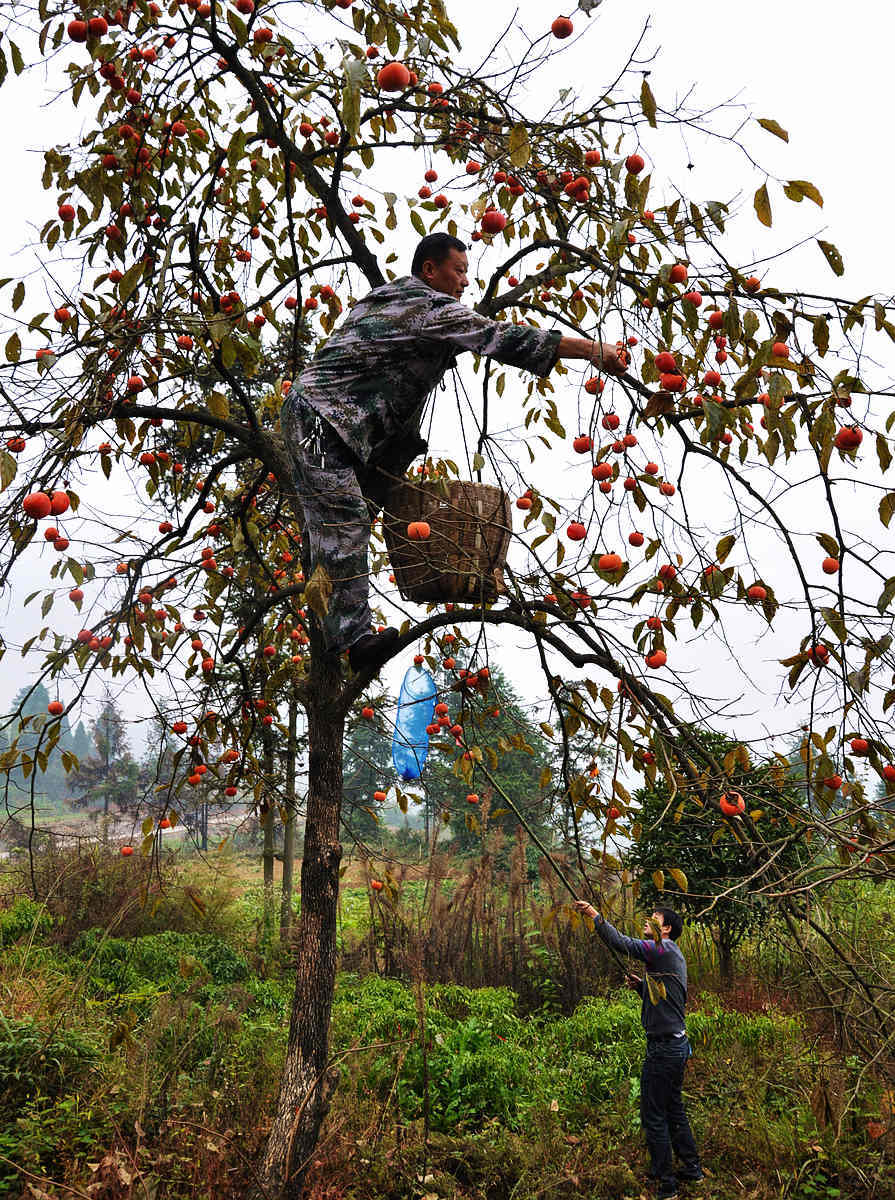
x,y
662,1112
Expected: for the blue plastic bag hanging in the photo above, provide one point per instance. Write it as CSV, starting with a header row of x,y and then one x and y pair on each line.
x,y
416,707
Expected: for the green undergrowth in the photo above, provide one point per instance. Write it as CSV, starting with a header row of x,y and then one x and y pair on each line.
x,y
156,1059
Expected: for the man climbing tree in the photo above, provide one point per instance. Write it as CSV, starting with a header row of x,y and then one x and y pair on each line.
x,y
352,422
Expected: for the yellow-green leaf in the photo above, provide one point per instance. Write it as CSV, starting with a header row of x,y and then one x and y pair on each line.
x,y
679,878
834,619
648,103
351,108
7,470
14,348
621,791
887,508
659,880
655,988
219,406
763,205
318,590
724,547
236,149
519,146
130,279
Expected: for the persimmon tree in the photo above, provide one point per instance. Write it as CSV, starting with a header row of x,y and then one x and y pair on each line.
x,y
717,874
241,176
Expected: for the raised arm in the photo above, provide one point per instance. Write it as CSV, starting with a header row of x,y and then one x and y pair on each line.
x,y
644,951
520,345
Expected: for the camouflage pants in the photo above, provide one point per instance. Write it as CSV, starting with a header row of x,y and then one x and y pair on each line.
x,y
339,499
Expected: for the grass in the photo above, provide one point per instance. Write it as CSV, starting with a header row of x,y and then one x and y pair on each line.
x,y
153,1059
134,1047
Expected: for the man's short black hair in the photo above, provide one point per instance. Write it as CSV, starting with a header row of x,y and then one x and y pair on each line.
x,y
435,247
673,920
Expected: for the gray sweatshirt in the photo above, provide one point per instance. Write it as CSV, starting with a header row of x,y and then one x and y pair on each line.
x,y
664,963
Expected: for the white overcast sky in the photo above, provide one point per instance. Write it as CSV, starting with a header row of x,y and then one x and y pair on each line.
x,y
822,70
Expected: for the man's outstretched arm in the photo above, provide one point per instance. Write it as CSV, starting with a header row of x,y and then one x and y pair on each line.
x,y
526,346
602,354
638,948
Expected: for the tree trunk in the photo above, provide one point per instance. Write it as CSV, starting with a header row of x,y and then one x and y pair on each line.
x,y
307,1085
289,823
268,817
725,954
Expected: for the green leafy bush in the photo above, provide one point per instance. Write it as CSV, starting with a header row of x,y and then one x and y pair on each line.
x,y
41,1074
486,1063
157,962
24,918
39,1064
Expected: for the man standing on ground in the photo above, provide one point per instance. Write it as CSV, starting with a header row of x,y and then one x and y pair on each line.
x,y
662,1111
351,421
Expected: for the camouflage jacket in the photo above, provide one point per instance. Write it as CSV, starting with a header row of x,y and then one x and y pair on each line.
x,y
371,379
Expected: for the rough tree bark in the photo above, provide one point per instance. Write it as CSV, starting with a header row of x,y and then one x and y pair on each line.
x,y
307,1084
289,823
268,820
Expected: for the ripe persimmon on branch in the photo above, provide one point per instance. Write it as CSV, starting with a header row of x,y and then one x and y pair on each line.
x,y
244,174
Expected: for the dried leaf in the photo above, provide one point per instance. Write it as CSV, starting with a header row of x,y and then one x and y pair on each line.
x,y
773,127
318,591
724,547
648,103
655,989
833,257
798,190
763,205
519,146
7,470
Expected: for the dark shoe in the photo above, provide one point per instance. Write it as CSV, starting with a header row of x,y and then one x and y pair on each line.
x,y
665,1194
372,649
694,1178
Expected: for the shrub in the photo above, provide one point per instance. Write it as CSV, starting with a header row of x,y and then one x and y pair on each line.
x,y
35,1064
41,1117
25,918
164,961
92,885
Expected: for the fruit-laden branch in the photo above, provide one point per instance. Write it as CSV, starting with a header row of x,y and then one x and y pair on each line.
x,y
274,128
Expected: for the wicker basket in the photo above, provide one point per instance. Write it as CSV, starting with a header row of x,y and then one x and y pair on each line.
x,y
463,557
